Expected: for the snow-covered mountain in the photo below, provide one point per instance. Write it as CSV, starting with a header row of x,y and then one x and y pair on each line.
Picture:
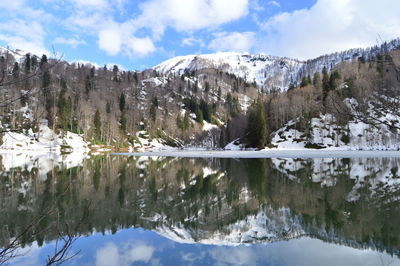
x,y
268,71
266,226
263,69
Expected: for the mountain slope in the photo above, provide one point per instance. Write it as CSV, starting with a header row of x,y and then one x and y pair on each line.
x,y
262,69
268,71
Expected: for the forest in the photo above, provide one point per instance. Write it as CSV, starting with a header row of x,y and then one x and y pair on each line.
x,y
116,107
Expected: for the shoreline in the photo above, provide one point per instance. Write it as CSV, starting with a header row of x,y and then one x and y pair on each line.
x,y
299,153
203,153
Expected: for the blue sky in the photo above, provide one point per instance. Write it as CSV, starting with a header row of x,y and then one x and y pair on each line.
x,y
140,34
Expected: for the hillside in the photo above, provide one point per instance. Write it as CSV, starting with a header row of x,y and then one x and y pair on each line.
x,y
268,71
345,100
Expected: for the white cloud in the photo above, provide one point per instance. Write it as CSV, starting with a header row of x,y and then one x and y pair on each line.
x,y
191,41
274,3
140,47
232,41
74,42
110,40
125,255
141,253
108,256
81,21
156,15
12,5
19,34
189,14
241,256
331,25
92,3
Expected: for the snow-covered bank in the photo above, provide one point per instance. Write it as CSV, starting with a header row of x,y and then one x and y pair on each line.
x,y
271,153
325,133
45,140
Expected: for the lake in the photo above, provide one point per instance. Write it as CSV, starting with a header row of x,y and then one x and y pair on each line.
x,y
155,210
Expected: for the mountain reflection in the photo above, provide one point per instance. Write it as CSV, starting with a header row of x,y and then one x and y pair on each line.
x,y
352,202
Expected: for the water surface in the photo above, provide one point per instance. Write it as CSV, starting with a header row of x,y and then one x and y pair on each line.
x,y
128,210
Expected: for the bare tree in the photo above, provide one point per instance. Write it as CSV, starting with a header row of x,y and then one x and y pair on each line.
x,y
63,246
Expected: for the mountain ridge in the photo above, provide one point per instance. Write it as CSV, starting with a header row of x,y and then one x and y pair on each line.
x,y
271,71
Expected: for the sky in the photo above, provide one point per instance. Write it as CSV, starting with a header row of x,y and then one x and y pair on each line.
x,y
140,34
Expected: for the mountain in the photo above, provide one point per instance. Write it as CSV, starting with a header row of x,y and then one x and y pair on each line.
x,y
262,69
265,70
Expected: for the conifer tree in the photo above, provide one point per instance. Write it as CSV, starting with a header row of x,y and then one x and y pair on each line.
x,y
97,125
316,79
335,76
325,84
153,112
27,63
34,63
186,121
43,61
257,134
122,102
46,79
179,122
15,71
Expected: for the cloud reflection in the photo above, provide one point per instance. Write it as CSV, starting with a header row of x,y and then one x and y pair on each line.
x,y
300,252
111,254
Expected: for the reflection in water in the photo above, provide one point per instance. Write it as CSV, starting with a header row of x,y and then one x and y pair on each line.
x,y
225,202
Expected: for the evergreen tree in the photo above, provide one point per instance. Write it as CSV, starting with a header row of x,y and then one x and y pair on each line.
x,y
46,79
206,110
316,79
27,63
34,63
304,82
206,87
325,85
257,134
155,101
325,80
88,84
195,87
309,81
335,76
115,73
64,108
97,125
43,61
186,121
15,71
122,102
199,114
153,112
179,122
122,121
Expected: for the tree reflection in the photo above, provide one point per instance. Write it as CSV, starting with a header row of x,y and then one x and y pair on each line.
x,y
347,201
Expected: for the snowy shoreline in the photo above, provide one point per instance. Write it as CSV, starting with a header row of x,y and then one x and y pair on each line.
x,y
272,153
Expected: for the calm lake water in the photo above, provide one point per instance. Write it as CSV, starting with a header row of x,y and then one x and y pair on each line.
x,y
127,210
